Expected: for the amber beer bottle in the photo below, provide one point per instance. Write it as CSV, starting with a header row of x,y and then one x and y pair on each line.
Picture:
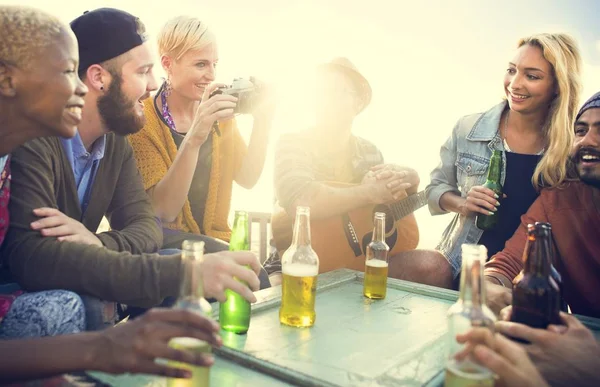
x,y
488,222
191,297
469,311
554,273
376,262
234,313
536,296
300,267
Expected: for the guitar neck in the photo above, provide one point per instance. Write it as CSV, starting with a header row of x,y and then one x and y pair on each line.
x,y
408,205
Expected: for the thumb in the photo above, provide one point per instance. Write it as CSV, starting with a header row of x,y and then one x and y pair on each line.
x,y
210,89
570,320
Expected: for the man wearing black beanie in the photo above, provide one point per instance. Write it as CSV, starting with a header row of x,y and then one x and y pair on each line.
x,y
63,188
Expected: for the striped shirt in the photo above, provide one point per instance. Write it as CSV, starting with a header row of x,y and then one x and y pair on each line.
x,y
298,164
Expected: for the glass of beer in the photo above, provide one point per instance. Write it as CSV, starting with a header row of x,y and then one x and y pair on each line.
x,y
300,267
376,263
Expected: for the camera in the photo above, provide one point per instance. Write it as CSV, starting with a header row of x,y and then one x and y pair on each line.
x,y
247,91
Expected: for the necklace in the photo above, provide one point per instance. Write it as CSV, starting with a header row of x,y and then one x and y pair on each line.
x,y
166,113
506,147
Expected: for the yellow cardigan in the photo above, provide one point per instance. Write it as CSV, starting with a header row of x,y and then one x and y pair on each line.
x,y
155,150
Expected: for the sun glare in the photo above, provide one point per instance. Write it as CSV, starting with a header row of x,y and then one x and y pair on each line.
x,y
426,69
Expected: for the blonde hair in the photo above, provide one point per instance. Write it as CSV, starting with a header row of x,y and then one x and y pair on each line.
x,y
563,54
24,31
183,34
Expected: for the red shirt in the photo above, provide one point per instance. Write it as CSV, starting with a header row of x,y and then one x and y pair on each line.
x,y
574,212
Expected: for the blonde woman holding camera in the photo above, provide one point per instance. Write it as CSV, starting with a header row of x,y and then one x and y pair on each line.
x,y
190,151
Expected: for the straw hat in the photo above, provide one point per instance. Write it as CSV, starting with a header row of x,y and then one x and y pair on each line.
x,y
344,65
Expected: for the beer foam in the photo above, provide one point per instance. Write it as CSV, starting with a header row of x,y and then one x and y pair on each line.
x,y
300,270
377,263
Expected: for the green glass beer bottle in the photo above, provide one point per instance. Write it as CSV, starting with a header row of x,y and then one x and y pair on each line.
x,y
488,222
234,314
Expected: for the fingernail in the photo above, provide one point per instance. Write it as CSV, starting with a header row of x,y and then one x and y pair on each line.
x,y
491,212
497,197
497,203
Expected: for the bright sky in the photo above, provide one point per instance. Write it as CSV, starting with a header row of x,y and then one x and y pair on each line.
x,y
429,62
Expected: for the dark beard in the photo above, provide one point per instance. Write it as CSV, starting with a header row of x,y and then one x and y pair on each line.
x,y
117,112
591,179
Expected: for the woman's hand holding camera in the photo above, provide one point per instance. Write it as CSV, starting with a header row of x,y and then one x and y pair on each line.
x,y
218,107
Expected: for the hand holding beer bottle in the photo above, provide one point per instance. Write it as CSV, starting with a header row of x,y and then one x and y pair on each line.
x,y
507,359
219,271
135,345
300,267
376,262
483,200
234,314
468,312
536,296
565,355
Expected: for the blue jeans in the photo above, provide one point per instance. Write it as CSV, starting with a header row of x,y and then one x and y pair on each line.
x,y
46,313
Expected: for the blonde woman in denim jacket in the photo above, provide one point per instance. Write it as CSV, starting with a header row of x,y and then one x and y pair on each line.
x,y
533,128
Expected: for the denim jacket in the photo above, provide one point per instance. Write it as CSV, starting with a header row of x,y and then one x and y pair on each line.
x,y
465,158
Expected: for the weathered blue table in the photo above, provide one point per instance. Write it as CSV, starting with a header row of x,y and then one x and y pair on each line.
x,y
398,341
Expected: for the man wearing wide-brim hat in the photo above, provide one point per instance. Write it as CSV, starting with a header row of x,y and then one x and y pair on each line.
x,y
306,163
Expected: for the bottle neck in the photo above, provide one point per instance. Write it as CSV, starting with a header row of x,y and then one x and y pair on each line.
x,y
192,287
302,228
495,167
379,229
472,288
537,259
239,234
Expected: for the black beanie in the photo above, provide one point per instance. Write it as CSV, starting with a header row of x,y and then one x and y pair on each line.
x,y
593,102
106,33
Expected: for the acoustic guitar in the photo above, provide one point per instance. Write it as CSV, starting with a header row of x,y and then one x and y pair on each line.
x,y
341,241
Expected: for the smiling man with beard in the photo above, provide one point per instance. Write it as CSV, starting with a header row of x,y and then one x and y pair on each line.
x,y
62,188
574,212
